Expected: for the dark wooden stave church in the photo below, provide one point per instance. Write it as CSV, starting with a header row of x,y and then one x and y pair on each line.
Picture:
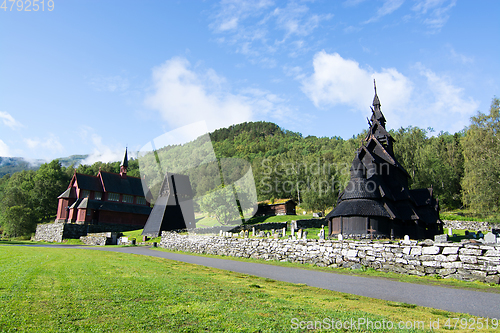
x,y
377,200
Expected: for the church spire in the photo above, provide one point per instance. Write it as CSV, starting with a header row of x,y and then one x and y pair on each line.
x,y
376,112
124,165
376,101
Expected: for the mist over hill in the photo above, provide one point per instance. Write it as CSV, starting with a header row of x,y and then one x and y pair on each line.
x,y
10,165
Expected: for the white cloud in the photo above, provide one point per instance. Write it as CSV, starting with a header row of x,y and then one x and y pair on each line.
x,y
295,19
435,103
183,96
250,27
9,121
434,13
105,153
50,143
460,57
446,103
339,81
4,150
387,8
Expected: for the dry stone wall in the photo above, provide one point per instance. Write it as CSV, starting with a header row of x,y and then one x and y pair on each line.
x,y
470,225
56,232
52,232
464,261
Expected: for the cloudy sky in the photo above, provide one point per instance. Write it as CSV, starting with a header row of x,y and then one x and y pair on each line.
x,y
91,77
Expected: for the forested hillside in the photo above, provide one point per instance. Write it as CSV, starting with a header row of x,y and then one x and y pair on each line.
x,y
462,168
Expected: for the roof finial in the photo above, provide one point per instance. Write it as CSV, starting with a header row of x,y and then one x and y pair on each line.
x,y
376,101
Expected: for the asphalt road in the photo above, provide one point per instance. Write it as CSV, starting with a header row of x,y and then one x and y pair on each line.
x,y
482,304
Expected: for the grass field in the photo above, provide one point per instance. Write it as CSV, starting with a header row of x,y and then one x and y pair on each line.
x,y
74,290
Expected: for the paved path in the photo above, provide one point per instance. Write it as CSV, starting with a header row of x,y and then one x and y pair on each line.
x,y
482,304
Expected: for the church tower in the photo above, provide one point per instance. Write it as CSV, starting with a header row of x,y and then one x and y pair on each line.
x,y
124,165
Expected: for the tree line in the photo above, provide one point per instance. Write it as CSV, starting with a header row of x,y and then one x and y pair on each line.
x,y
463,168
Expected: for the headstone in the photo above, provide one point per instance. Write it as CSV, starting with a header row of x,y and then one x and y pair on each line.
x,y
304,234
242,233
490,238
299,234
262,234
340,237
284,232
253,231
450,232
480,234
406,238
220,232
293,224
315,215
472,234
272,232
276,236
246,233
293,232
268,234
443,238
304,212
321,234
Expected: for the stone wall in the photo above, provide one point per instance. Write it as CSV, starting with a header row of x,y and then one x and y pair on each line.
x,y
464,261
470,225
56,232
52,232
310,223
100,239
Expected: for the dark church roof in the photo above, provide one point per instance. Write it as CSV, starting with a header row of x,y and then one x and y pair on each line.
x,y
109,182
113,182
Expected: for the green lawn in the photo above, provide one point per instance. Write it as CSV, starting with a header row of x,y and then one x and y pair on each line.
x,y
74,290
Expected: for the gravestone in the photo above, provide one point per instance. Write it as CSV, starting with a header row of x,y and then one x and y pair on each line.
x,y
220,233
321,234
340,237
450,232
253,231
299,234
246,233
293,232
293,224
276,236
480,234
441,238
490,238
284,232
304,234
262,234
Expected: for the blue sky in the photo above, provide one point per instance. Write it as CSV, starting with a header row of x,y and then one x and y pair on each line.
x,y
91,77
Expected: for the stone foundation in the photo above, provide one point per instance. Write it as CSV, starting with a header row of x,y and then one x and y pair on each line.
x,y
100,239
56,232
464,261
